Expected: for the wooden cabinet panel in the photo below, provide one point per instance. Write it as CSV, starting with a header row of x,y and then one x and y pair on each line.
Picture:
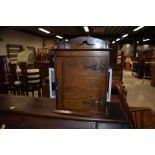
x,y
78,82
81,68
55,123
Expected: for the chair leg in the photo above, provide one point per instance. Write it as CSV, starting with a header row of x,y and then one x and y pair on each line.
x,y
27,93
14,92
142,119
18,92
11,91
135,119
39,93
22,92
33,92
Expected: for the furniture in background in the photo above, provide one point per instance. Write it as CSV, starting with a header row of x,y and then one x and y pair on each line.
x,y
42,62
43,67
147,70
29,80
153,75
42,54
45,87
44,73
33,81
134,67
144,63
18,84
81,68
117,65
12,51
127,63
4,75
116,62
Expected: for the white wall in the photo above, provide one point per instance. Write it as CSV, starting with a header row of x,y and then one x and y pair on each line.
x,y
18,38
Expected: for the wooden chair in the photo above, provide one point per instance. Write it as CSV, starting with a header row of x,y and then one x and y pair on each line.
x,y
33,81
131,113
14,83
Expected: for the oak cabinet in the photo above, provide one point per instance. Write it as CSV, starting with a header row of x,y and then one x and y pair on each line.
x,y
82,74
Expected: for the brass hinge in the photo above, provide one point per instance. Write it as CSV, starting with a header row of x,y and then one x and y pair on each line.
x,y
100,67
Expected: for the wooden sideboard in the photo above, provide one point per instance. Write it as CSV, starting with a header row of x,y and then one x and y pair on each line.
x,y
22,112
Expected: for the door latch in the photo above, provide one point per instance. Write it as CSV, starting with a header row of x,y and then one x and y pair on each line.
x,y
100,67
92,101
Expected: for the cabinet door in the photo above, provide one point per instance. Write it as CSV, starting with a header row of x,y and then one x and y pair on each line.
x,y
80,81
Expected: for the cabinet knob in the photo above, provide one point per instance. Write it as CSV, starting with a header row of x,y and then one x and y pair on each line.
x,y
100,67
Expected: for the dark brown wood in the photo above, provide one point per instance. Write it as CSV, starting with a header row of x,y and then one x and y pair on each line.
x,y
42,54
29,112
44,73
77,80
125,106
153,75
45,90
117,68
2,69
43,67
84,43
133,112
4,75
145,56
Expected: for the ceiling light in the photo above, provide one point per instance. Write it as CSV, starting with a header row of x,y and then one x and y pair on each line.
x,y
138,28
146,39
86,28
137,42
117,39
59,37
66,40
125,35
113,42
43,30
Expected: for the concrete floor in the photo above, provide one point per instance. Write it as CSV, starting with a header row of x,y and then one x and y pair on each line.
x,y
139,95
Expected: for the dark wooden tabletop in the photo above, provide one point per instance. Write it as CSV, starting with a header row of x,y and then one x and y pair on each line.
x,y
47,107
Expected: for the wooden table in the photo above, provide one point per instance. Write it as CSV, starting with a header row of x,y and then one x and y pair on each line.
x,y
32,113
